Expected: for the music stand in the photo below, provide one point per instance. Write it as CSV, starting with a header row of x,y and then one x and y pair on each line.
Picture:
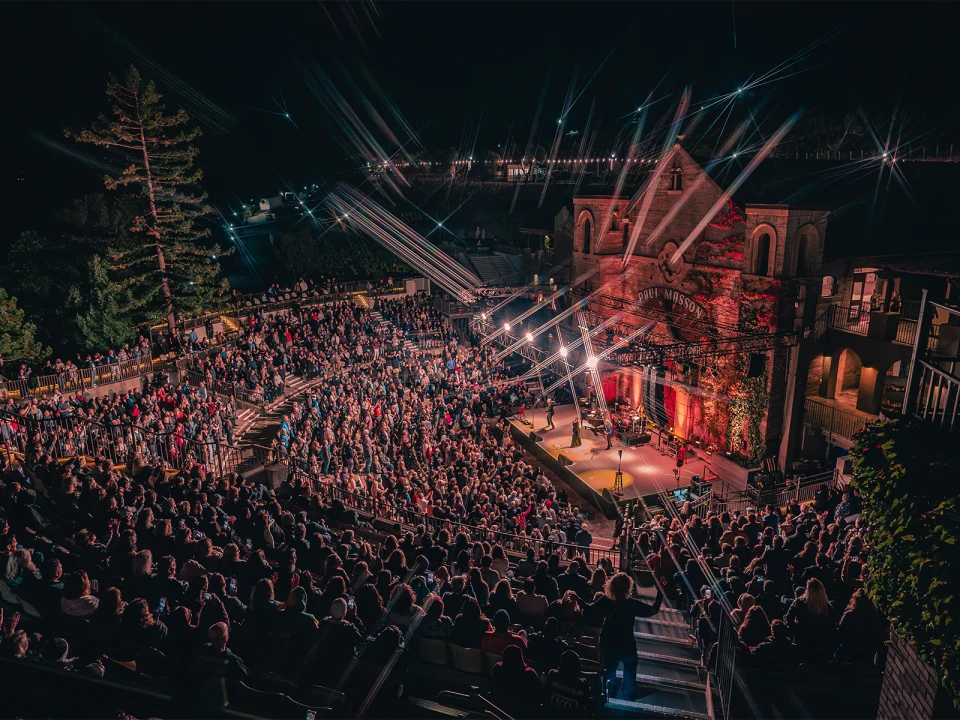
x,y
618,478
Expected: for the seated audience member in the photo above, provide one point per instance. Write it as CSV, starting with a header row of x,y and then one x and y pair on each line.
x,y
567,692
529,602
435,625
515,684
778,651
470,626
501,637
219,636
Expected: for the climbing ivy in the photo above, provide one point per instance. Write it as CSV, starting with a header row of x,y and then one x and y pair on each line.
x,y
906,473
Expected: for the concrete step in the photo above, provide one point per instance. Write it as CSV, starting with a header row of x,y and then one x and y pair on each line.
x,y
676,660
656,635
676,650
663,619
658,674
430,708
666,630
670,704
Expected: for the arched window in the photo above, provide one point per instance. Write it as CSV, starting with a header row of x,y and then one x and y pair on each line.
x,y
586,235
761,256
803,264
829,286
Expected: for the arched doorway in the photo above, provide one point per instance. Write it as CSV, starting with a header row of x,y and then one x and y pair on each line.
x,y
587,228
849,369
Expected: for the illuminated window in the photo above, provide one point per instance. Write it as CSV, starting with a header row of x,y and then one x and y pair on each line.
x,y
676,179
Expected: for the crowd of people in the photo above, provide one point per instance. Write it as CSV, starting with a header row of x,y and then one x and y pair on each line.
x,y
790,580
153,557
163,423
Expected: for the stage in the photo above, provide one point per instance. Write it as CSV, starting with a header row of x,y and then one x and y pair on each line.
x,y
645,469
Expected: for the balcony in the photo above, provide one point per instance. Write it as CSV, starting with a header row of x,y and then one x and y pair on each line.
x,y
836,417
898,328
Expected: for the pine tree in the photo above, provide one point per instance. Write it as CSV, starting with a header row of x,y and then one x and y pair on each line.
x,y
17,337
169,269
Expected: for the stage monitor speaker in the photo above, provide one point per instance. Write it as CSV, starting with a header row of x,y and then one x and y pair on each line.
x,y
758,365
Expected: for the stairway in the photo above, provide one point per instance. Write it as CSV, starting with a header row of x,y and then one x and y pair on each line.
x,y
408,345
670,681
230,324
263,429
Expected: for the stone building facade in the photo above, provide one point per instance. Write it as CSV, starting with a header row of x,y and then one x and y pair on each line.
x,y
752,269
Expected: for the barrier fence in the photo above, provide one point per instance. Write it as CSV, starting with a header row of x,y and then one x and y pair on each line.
x,y
242,395
71,436
78,380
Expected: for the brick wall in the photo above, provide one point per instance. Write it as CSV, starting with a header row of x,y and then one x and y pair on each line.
x,y
910,686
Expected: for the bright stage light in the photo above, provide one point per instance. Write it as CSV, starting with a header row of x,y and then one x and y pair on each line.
x,y
483,316
564,352
530,337
591,363
506,326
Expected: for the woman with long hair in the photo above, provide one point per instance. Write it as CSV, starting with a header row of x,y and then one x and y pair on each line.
x,y
479,589
861,632
755,628
617,643
811,624
502,598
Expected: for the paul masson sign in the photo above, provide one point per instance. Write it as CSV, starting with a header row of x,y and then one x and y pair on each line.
x,y
676,298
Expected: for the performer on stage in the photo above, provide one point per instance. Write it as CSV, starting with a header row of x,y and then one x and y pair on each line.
x,y
608,431
576,441
550,411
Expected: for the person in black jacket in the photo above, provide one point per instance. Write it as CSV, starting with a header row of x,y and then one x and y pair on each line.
x,y
617,643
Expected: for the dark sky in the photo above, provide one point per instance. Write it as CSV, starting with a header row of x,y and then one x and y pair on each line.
x,y
449,68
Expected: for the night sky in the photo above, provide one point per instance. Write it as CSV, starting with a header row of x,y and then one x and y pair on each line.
x,y
455,71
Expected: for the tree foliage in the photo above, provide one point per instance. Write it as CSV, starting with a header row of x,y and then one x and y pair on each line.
x,y
906,473
17,336
167,266
105,319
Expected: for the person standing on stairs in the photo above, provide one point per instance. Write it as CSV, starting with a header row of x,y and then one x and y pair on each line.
x,y
617,642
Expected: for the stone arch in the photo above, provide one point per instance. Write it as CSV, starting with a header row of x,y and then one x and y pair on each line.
x,y
586,231
806,249
763,250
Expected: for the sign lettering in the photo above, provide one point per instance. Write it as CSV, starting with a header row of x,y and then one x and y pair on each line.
x,y
677,298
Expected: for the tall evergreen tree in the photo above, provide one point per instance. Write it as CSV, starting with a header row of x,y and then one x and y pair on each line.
x,y
17,337
168,269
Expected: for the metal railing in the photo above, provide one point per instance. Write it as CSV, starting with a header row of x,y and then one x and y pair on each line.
x,y
78,380
853,320
832,419
227,389
290,298
120,443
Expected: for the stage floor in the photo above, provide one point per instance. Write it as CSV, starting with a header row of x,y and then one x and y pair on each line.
x,y
645,469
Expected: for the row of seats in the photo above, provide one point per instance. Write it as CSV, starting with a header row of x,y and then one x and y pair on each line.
x,y
474,661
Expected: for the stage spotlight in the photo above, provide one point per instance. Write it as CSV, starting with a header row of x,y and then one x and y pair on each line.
x,y
530,337
591,363
563,352
506,326
483,316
